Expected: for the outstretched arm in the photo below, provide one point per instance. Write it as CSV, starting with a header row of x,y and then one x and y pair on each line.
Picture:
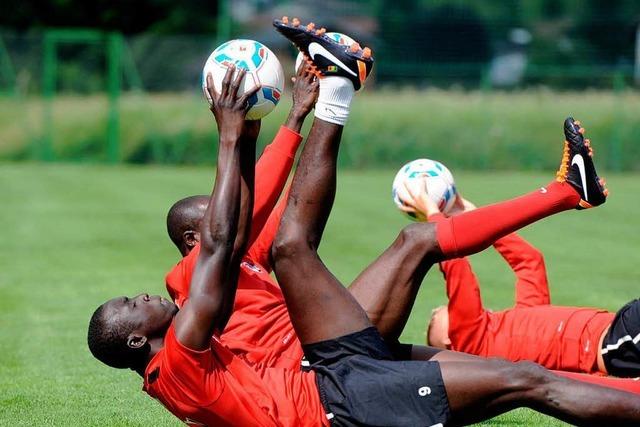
x,y
224,230
527,262
275,163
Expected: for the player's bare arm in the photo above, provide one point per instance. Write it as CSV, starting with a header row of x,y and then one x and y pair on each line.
x,y
223,231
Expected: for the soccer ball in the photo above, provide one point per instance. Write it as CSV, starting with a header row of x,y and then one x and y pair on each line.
x,y
440,184
262,67
339,37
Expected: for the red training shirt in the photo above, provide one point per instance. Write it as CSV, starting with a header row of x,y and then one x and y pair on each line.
x,y
214,387
561,338
259,330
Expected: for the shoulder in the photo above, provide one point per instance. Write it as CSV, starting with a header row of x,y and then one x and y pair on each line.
x,y
192,376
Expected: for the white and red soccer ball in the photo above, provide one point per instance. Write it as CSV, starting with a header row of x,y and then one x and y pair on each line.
x,y
440,185
262,68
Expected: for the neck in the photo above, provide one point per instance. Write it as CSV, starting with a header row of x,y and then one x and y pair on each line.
x,y
156,345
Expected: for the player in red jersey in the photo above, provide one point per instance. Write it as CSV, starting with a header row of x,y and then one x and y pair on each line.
x,y
574,339
200,381
259,329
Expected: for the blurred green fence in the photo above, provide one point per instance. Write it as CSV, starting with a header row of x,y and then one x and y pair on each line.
x,y
450,84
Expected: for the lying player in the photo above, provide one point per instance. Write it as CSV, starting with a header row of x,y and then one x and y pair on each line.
x,y
200,381
575,339
259,329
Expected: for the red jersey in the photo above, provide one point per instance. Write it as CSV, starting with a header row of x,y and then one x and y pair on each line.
x,y
214,387
259,330
561,338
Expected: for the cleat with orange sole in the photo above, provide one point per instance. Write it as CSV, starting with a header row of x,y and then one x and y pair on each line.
x,y
577,168
329,57
285,19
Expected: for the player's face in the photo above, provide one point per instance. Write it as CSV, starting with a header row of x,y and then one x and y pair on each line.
x,y
438,330
149,314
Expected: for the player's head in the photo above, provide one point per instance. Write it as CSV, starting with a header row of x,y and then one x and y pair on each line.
x,y
621,345
183,222
438,328
121,329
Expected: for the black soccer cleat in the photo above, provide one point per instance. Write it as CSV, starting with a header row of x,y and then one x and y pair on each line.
x,y
327,57
577,167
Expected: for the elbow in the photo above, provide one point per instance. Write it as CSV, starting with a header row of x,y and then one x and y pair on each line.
x,y
218,241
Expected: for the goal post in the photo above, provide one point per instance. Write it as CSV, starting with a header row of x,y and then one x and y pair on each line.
x,y
113,43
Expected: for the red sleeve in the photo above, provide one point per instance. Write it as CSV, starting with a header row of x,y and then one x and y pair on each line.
x,y
272,171
466,313
178,280
259,251
527,262
196,374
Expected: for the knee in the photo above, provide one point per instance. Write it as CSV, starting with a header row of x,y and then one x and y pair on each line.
x,y
289,245
525,375
419,237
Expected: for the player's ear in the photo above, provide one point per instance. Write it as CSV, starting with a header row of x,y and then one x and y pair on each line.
x,y
191,238
136,341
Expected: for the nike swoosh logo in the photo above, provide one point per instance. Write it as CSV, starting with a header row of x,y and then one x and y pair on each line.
x,y
578,160
317,49
543,190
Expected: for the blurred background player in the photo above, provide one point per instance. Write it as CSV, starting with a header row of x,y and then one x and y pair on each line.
x,y
576,339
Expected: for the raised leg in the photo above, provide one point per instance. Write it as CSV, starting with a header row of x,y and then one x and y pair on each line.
x,y
319,306
387,288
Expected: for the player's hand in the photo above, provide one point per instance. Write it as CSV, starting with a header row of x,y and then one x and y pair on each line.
x,y
461,205
416,200
305,95
229,108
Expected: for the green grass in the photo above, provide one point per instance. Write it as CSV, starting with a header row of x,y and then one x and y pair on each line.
x,y
73,236
471,130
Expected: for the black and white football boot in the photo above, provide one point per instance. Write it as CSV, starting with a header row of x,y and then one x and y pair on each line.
x,y
326,56
577,167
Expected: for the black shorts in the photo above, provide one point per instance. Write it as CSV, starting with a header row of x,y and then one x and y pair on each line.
x,y
361,384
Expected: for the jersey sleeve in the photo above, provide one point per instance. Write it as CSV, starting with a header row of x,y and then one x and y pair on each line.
x,y
178,280
527,262
260,249
196,374
466,313
272,171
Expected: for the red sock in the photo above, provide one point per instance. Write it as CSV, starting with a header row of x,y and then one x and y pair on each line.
x,y
474,231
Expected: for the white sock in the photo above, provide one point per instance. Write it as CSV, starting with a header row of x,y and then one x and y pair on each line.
x,y
334,99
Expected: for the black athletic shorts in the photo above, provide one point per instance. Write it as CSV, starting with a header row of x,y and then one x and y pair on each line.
x,y
361,384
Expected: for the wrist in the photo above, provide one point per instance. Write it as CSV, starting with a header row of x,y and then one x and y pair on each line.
x,y
296,119
229,138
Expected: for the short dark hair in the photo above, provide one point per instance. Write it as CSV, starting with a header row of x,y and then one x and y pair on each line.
x,y
184,216
107,340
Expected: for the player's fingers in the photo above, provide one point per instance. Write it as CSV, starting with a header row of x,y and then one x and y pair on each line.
x,y
467,205
244,99
210,91
407,209
415,187
226,81
309,75
406,198
301,69
235,85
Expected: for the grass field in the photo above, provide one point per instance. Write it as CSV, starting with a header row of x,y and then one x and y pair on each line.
x,y
73,236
